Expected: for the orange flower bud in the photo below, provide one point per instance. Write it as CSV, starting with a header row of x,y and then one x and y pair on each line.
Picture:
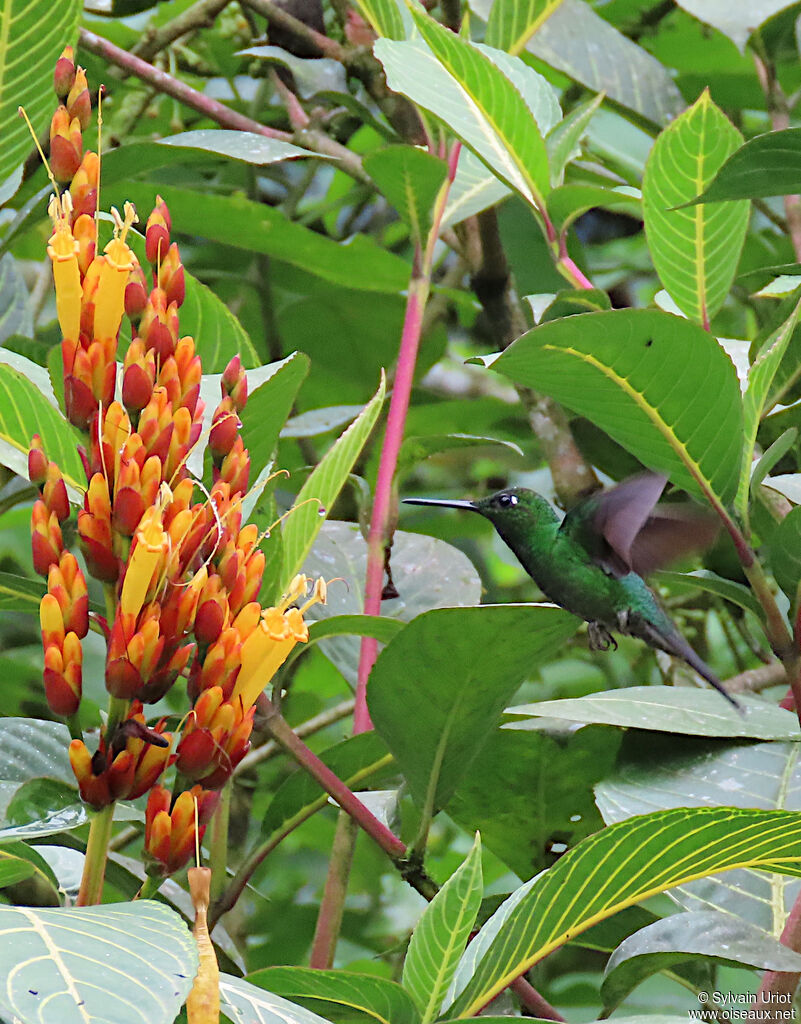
x,y
139,375
37,462
156,424
94,531
64,74
66,145
234,383
235,467
62,675
79,103
215,739
46,540
159,325
212,611
157,233
54,493
170,834
66,583
136,294
83,189
224,429
189,373
171,276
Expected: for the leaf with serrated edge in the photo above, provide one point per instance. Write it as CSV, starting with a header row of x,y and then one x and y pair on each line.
x,y
695,249
130,961
656,383
669,709
324,484
513,22
622,865
760,377
441,935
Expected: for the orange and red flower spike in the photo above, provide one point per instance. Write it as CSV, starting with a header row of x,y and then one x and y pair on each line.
x,y
66,145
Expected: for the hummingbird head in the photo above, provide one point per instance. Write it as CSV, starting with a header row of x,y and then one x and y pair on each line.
x,y
513,511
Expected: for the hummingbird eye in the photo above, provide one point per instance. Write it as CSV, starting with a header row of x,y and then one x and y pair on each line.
x,y
507,500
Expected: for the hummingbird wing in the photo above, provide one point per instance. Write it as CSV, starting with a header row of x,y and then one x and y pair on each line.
x,y
624,530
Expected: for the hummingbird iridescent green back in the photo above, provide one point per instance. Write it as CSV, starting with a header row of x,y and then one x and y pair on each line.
x,y
590,562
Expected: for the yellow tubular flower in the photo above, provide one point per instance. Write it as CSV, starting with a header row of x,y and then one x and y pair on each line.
x,y
114,273
268,646
63,248
151,546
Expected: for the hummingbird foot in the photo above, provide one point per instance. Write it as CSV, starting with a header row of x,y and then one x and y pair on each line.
x,y
600,638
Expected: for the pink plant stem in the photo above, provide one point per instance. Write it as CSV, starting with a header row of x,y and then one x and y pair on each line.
x,y
380,531
379,521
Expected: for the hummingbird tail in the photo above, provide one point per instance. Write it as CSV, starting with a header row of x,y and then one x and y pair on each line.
x,y
675,644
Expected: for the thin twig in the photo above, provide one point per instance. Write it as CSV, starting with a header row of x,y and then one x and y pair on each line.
x,y
300,30
202,14
312,139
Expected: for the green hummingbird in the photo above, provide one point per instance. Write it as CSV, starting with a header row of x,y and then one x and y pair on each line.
x,y
592,562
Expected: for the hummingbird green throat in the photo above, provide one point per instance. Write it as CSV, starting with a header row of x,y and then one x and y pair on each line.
x,y
590,563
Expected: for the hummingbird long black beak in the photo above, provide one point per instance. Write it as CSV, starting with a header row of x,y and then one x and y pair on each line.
x,y
469,505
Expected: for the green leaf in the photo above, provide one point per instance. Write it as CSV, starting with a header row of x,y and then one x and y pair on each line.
x,y
316,422
32,35
384,16
40,871
695,249
411,180
657,384
341,551
132,962
580,43
20,593
255,227
416,450
556,772
772,455
245,146
243,1002
24,411
564,139
669,709
511,23
311,75
711,583
723,938
568,202
437,690
441,934
784,551
659,772
324,484
737,21
363,997
622,865
460,84
13,869
268,407
15,314
766,165
760,378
